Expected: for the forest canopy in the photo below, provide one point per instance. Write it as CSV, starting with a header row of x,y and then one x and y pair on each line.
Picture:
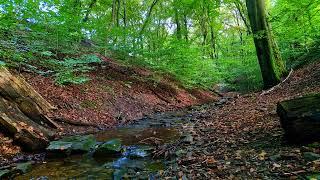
x,y
199,42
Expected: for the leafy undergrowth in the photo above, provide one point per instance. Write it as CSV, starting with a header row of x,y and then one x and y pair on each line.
x,y
243,138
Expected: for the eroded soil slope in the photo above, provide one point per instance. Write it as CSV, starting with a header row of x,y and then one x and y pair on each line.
x,y
115,95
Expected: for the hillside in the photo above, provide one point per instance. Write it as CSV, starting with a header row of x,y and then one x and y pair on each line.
x,y
115,95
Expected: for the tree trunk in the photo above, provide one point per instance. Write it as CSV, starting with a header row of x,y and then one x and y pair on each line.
x,y
124,3
148,16
177,19
86,18
186,31
213,53
23,113
271,65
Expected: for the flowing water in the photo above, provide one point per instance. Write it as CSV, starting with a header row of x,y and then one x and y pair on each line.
x,y
133,163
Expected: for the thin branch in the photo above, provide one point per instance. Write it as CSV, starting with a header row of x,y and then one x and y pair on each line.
x,y
277,86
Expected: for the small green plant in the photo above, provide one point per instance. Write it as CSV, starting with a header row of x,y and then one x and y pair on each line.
x,y
72,70
108,89
88,104
314,177
68,77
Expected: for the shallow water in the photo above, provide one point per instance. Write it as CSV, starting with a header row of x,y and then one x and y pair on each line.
x,y
110,167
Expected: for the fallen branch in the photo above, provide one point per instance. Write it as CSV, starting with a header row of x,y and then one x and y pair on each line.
x,y
277,86
62,120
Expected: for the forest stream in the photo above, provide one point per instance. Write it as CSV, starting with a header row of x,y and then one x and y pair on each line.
x,y
138,142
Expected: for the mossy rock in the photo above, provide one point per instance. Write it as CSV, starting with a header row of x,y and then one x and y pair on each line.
x,y
73,144
5,173
111,147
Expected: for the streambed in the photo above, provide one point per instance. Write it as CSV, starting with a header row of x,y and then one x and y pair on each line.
x,y
137,138
134,162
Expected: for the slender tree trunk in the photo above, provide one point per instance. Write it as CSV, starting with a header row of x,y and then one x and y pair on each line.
x,y
186,31
146,22
244,16
271,65
204,24
118,12
213,53
86,18
213,43
177,19
124,13
114,11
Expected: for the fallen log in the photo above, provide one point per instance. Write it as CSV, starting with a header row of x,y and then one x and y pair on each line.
x,y
23,113
300,119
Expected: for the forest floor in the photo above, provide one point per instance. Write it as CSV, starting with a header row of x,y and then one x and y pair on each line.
x,y
242,139
238,137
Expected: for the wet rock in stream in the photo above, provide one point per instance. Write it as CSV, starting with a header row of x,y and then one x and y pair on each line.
x,y
112,147
17,169
73,144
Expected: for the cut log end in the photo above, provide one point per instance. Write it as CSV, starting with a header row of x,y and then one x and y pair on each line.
x,y
300,119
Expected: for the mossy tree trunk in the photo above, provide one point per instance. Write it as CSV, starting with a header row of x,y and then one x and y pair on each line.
x,y
271,64
23,113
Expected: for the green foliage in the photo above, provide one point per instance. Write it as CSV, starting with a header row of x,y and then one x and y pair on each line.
x,y
200,43
184,62
72,70
68,77
313,177
296,24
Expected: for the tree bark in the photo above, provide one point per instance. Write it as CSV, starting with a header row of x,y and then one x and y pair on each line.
x,y
23,113
271,65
